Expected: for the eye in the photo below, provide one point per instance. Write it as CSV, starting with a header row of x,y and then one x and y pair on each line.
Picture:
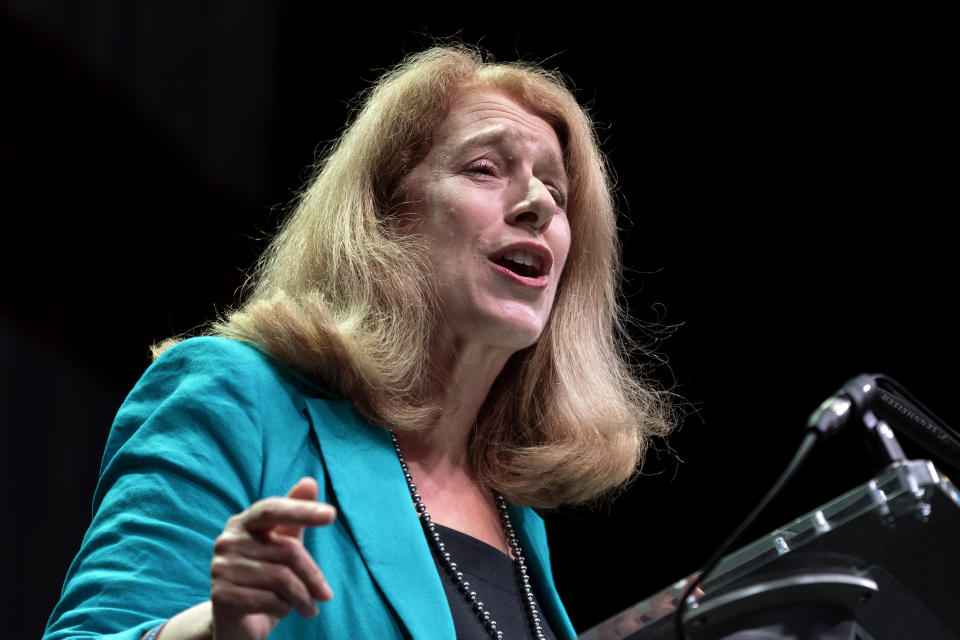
x,y
483,167
559,197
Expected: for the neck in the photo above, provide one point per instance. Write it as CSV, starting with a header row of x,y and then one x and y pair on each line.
x,y
440,449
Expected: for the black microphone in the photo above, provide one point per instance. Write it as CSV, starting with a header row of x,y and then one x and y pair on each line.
x,y
903,412
874,397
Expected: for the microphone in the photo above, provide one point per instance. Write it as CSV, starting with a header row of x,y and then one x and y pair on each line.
x,y
877,397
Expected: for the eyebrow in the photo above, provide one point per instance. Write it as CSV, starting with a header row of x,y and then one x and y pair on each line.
x,y
489,135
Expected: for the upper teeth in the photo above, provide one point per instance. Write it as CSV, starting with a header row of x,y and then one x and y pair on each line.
x,y
522,257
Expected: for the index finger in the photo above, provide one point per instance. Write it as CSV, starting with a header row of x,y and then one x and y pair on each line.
x,y
272,512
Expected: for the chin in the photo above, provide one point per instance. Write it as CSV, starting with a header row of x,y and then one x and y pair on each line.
x,y
519,335
506,324
521,344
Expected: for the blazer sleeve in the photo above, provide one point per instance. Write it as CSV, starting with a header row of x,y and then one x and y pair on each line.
x,y
184,454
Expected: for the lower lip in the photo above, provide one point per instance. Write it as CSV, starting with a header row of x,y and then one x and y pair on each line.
x,y
536,283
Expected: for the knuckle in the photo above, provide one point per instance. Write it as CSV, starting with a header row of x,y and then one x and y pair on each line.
x,y
279,578
267,508
218,566
287,550
224,543
236,519
287,583
220,594
278,608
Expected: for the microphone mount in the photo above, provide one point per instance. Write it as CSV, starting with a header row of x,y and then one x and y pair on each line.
x,y
883,405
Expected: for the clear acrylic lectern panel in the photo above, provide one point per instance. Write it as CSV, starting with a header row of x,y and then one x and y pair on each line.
x,y
887,553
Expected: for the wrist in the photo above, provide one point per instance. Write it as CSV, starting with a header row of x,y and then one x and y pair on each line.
x,y
195,623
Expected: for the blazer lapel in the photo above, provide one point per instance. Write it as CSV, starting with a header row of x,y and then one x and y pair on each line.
x,y
375,505
533,540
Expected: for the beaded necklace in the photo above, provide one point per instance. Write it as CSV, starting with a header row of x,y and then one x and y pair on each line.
x,y
463,586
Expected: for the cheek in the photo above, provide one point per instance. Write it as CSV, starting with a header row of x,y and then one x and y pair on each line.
x,y
562,261
458,217
561,246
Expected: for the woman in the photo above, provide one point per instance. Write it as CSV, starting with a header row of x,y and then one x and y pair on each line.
x,y
429,350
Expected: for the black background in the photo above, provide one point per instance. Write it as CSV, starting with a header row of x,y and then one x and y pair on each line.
x,y
786,184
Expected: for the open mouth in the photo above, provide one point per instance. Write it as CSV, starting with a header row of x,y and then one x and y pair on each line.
x,y
526,263
521,263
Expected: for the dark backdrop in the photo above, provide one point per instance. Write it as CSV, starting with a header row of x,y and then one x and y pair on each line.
x,y
784,184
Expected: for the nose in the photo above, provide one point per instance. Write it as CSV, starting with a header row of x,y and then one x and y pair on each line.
x,y
535,208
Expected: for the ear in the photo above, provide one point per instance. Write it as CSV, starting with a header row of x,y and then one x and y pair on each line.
x,y
402,214
402,222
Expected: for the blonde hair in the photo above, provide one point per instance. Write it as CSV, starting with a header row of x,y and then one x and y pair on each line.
x,y
340,296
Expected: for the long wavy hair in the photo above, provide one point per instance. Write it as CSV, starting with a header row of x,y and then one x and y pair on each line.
x,y
341,295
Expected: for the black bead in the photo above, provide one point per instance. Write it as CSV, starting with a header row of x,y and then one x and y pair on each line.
x,y
484,616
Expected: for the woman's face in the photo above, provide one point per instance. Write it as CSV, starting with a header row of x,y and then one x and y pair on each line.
x,y
488,199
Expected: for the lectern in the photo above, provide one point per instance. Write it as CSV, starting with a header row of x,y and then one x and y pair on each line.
x,y
880,562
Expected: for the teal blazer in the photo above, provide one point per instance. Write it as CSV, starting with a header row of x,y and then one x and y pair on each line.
x,y
213,426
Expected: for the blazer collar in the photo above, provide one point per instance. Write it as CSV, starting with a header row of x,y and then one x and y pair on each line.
x,y
375,505
533,538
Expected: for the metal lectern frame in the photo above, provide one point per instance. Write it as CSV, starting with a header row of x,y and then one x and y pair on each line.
x,y
886,554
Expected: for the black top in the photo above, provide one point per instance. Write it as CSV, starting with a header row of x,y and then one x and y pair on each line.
x,y
492,576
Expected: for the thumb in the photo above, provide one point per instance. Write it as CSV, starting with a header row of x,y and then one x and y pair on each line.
x,y
306,488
